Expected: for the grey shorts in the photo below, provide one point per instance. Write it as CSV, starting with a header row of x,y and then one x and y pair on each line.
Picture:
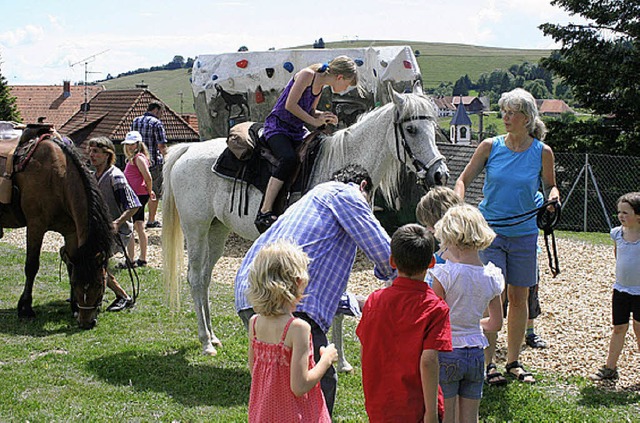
x,y
156,176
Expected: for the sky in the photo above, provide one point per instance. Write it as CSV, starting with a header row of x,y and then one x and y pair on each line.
x,y
46,42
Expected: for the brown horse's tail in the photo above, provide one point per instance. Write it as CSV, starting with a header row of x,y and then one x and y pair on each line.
x,y
172,236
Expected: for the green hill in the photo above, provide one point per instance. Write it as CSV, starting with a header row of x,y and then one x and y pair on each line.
x,y
439,62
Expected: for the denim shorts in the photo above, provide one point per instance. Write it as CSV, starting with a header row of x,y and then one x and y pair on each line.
x,y
462,372
516,256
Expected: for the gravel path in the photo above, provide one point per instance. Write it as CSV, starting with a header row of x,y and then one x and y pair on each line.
x,y
576,305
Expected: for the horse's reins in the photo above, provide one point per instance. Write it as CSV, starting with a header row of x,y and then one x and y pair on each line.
x,y
420,167
546,221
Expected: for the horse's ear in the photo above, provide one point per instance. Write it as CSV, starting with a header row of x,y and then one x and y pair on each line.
x,y
417,87
394,96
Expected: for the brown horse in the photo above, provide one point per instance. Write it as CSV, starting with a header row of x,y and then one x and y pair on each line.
x,y
56,192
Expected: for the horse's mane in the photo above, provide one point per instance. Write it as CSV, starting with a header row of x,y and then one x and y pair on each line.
x,y
100,234
335,150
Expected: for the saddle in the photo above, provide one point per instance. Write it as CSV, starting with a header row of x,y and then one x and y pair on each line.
x,y
15,154
258,167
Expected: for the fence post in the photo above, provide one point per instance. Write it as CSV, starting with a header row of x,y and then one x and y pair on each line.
x,y
586,193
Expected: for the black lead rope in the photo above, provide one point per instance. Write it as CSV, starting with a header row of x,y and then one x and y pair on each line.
x,y
132,271
546,221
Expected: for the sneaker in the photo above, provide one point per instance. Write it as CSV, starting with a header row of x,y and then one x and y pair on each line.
x,y
534,341
120,303
154,224
605,373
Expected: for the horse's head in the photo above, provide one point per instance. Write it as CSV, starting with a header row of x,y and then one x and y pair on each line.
x,y
415,124
88,281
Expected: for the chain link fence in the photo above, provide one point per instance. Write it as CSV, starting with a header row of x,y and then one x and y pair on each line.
x,y
590,185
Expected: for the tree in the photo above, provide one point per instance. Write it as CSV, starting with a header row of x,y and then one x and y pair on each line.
x,y
8,108
600,60
176,63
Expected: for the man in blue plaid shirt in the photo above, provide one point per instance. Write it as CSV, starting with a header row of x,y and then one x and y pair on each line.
x,y
330,223
153,135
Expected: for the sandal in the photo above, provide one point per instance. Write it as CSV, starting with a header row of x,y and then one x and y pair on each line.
x,y
494,378
605,373
521,376
265,220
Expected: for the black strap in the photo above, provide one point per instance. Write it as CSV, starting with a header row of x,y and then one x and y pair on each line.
x,y
546,221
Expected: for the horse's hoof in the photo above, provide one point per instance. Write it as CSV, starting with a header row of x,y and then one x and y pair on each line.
x,y
344,368
210,351
26,313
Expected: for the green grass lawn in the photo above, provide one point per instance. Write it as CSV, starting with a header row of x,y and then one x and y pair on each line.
x,y
145,364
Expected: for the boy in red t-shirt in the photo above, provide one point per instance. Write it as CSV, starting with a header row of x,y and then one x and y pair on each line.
x,y
401,331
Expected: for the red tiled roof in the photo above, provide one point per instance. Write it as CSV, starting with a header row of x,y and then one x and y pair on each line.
x,y
112,111
554,107
49,101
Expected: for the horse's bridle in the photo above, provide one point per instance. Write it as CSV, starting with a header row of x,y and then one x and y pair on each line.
x,y
421,168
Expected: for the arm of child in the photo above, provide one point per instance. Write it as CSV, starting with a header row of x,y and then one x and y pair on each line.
x,y
146,175
302,379
430,373
304,78
437,288
493,323
250,334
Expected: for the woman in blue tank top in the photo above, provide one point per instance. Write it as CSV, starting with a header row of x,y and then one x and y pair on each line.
x,y
516,164
284,127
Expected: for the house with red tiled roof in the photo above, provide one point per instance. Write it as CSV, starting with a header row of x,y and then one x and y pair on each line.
x,y
111,112
53,104
553,107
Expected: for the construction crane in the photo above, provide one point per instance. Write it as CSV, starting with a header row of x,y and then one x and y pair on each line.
x,y
86,61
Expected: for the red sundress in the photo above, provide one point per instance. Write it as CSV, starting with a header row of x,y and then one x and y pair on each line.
x,y
271,399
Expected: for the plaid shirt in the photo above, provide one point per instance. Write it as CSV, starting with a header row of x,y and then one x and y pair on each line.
x,y
329,223
152,131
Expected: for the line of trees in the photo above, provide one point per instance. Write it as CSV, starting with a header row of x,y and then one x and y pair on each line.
x,y
178,62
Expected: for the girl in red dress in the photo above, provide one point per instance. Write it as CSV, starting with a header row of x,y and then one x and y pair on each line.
x,y
284,378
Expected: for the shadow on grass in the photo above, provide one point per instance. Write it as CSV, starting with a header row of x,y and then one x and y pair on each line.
x,y
51,318
608,396
188,383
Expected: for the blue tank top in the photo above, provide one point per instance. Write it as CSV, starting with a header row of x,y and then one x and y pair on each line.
x,y
282,121
510,185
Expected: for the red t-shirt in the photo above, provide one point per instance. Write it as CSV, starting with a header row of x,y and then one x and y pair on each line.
x,y
398,323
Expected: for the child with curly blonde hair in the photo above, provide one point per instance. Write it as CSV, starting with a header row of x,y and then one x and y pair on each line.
x,y
469,288
284,378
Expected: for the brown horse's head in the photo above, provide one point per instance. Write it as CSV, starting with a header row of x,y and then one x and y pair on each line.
x,y
88,281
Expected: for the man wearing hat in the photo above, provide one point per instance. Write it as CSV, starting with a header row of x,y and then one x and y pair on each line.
x,y
121,201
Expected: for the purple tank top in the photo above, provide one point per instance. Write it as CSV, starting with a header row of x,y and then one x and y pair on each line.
x,y
281,121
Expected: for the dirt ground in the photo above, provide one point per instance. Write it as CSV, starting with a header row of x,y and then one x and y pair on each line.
x,y
576,305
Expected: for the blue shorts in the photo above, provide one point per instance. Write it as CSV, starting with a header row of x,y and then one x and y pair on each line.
x,y
516,256
462,372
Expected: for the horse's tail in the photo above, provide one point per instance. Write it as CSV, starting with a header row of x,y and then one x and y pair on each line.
x,y
172,236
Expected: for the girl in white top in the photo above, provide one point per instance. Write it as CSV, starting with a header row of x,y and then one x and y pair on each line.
x,y
469,288
626,290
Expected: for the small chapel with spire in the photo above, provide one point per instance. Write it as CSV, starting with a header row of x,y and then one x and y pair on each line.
x,y
460,130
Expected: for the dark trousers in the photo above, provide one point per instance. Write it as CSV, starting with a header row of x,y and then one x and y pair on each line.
x,y
284,149
329,381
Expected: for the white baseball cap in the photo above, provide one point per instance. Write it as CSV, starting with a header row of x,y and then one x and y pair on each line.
x,y
132,137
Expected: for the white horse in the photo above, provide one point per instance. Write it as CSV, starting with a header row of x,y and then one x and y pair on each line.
x,y
198,200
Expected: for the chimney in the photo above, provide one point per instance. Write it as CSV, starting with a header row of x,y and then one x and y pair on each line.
x,y
66,89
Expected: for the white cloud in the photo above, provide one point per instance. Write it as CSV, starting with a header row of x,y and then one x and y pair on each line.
x,y
21,36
